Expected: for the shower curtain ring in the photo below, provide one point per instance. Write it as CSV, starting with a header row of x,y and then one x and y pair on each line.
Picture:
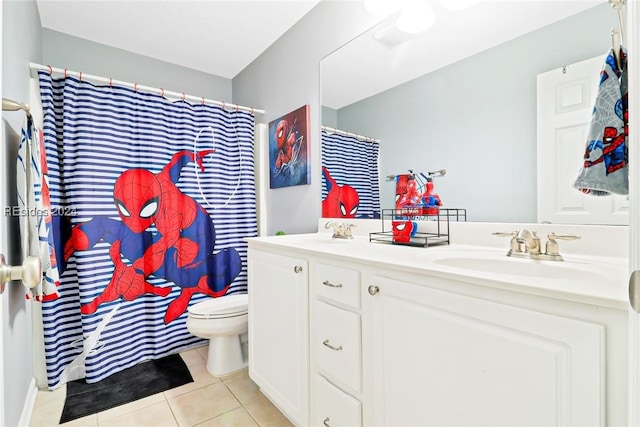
x,y
50,69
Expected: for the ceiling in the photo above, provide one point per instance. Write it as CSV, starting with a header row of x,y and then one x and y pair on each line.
x,y
218,37
222,37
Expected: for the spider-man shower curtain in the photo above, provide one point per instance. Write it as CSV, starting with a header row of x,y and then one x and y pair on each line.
x,y
350,185
152,199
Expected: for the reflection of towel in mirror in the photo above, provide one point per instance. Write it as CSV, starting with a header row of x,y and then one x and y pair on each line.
x,y
605,170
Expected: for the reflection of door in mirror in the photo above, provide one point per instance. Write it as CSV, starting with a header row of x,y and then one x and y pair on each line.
x,y
350,187
566,98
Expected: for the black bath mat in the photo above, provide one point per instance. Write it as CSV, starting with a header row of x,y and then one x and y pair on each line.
x,y
137,382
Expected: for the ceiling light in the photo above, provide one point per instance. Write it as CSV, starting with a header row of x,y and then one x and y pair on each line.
x,y
382,7
416,16
458,4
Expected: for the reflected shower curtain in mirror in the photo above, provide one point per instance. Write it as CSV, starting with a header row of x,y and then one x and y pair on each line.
x,y
152,200
350,185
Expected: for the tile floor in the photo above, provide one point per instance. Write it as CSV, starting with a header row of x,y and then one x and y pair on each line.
x,y
233,401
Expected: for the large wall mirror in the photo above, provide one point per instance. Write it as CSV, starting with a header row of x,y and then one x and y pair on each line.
x,y
461,96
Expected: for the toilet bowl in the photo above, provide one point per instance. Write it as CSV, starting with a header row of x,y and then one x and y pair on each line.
x,y
222,321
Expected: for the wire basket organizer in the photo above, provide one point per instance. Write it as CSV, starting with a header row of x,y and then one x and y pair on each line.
x,y
437,229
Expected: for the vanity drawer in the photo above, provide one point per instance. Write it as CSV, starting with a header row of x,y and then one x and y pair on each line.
x,y
334,407
338,284
337,343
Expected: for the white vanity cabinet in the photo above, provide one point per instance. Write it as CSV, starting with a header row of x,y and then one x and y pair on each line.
x,y
278,330
351,341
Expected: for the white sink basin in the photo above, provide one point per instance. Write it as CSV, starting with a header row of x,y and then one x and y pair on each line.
x,y
564,270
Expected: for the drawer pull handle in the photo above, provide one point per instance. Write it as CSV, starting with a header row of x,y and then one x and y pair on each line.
x,y
297,269
326,344
331,285
326,422
373,289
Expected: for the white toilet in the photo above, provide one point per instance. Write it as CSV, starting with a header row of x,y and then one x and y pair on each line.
x,y
223,321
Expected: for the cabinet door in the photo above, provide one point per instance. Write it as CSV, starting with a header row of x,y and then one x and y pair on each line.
x,y
278,325
441,358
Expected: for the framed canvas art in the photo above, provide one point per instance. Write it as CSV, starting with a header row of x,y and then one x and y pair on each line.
x,y
289,149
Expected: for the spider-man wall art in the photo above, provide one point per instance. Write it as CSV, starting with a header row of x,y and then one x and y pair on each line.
x,y
180,250
289,149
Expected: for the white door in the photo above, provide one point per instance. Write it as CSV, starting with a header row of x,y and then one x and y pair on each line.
x,y
633,44
565,102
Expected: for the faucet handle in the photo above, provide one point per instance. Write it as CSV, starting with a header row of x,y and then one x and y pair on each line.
x,y
553,236
551,248
514,246
504,234
331,224
347,229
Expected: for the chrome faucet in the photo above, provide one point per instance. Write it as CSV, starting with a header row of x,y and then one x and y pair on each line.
x,y
341,230
526,244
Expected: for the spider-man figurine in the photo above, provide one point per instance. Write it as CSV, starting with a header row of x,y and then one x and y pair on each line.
x,y
181,251
342,201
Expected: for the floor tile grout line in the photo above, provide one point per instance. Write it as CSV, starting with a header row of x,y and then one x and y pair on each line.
x,y
173,414
242,405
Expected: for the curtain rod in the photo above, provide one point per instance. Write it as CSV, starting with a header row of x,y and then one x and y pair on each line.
x,y
80,75
344,132
11,105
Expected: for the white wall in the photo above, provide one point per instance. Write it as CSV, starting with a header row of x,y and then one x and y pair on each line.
x,y
21,43
65,51
287,76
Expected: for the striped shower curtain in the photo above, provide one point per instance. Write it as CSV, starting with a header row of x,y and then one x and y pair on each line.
x,y
351,162
156,197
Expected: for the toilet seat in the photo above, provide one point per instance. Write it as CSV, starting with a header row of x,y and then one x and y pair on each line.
x,y
221,307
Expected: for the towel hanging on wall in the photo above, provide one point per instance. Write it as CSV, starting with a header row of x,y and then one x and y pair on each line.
x,y
35,210
605,169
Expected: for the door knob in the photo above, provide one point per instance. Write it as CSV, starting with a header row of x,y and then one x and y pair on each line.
x,y
30,272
